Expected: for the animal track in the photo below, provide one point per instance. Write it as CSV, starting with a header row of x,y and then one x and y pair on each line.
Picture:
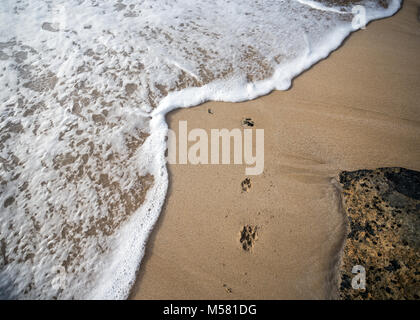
x,y
248,237
228,289
246,184
247,122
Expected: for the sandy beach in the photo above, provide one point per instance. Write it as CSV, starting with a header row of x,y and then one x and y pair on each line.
x,y
358,109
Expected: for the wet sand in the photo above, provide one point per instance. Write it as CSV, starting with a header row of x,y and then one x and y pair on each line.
x,y
358,109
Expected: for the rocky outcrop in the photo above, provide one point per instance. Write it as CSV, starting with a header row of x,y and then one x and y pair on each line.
x,y
383,210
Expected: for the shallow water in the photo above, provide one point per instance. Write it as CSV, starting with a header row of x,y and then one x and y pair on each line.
x,y
85,86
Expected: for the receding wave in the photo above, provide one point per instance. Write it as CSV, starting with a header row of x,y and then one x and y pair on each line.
x,y
85,85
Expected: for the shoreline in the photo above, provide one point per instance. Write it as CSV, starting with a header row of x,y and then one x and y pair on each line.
x,y
310,137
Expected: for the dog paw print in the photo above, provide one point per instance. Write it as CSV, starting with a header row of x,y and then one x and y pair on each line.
x,y
248,237
246,185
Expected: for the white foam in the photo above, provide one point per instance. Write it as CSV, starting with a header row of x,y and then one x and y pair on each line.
x,y
319,6
84,81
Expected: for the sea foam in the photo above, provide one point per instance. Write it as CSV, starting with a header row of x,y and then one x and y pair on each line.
x,y
85,86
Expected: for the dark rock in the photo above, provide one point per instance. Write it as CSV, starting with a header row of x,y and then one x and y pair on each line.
x,y
406,182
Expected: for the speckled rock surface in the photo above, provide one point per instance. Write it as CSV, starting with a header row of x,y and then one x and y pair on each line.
x,y
383,210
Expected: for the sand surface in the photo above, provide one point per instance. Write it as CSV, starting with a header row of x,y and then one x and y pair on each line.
x,y
358,109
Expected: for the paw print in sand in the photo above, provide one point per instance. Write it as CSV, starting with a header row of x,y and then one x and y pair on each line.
x,y
248,237
247,122
246,185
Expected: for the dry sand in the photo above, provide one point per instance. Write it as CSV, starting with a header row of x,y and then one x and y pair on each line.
x,y
360,108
